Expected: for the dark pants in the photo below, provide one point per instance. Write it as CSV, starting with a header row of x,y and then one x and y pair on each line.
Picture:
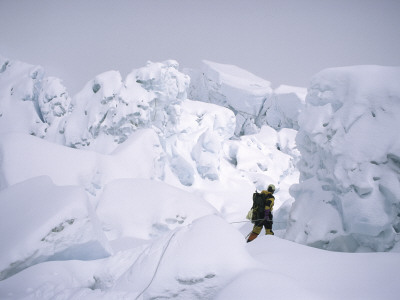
x,y
264,223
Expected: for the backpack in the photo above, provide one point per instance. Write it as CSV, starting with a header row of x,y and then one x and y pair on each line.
x,y
258,208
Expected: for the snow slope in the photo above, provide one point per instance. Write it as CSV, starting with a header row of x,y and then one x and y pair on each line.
x,y
195,265
293,271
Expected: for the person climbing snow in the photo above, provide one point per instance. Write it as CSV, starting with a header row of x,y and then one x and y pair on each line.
x,y
263,204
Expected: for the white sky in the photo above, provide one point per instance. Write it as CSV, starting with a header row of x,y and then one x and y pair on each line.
x,y
284,41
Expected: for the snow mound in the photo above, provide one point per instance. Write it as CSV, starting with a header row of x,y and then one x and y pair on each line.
x,y
48,223
251,98
67,166
145,209
25,157
349,195
189,263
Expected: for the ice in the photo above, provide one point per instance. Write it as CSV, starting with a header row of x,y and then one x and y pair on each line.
x,y
139,193
282,108
25,157
123,203
348,140
48,223
190,262
251,98
67,166
19,92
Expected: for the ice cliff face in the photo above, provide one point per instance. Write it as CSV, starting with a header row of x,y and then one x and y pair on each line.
x,y
251,98
194,136
349,195
20,86
109,109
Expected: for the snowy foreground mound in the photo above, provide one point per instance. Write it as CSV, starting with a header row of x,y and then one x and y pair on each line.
x,y
210,260
130,190
349,195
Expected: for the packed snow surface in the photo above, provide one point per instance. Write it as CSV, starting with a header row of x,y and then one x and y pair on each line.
x,y
210,260
138,187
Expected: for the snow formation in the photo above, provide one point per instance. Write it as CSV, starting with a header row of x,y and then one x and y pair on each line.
x,y
137,188
349,195
48,223
251,98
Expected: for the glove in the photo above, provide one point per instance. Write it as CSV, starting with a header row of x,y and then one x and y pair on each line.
x,y
250,215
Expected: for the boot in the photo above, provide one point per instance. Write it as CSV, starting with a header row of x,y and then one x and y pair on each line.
x,y
269,231
252,236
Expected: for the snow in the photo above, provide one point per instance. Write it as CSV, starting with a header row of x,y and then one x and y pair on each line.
x,y
268,267
294,271
59,224
251,98
349,170
19,89
138,187
123,202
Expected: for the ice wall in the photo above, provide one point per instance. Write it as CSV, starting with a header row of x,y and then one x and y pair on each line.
x,y
251,98
109,109
349,195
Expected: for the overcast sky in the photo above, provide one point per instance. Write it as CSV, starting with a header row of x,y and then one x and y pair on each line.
x,y
283,41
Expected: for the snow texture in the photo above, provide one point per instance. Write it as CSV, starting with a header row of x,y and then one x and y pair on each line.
x,y
349,195
251,98
48,223
130,190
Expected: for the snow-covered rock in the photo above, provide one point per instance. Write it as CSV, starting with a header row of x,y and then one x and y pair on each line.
x,y
40,221
349,195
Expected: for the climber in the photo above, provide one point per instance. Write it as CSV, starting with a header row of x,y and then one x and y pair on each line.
x,y
263,204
